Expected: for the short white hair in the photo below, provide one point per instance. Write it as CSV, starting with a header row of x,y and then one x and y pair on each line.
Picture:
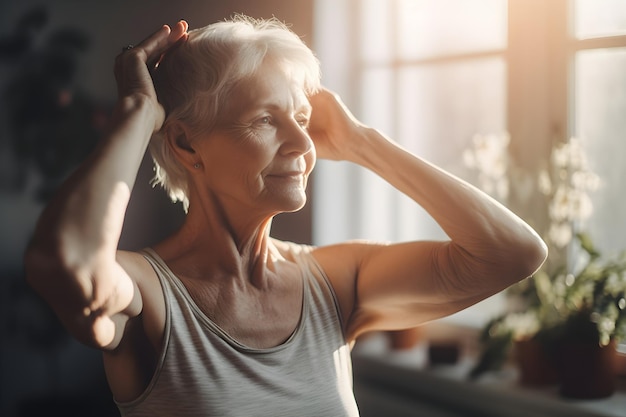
x,y
193,81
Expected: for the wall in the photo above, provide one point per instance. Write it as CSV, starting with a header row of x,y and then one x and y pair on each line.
x,y
39,365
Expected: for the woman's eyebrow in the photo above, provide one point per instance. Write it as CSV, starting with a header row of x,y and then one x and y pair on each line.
x,y
299,107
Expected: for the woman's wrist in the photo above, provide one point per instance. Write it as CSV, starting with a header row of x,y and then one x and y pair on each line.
x,y
368,147
142,107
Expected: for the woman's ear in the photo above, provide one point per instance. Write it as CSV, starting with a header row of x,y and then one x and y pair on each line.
x,y
179,140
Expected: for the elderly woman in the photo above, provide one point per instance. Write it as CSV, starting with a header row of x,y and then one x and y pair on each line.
x,y
220,318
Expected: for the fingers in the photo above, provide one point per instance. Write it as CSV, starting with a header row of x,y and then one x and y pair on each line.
x,y
179,30
329,105
177,36
133,66
163,39
160,41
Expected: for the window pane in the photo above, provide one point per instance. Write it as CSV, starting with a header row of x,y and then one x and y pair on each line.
x,y
376,198
377,98
600,18
441,107
600,121
438,27
375,35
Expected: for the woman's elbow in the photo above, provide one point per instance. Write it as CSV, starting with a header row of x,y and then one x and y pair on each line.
x,y
48,276
529,256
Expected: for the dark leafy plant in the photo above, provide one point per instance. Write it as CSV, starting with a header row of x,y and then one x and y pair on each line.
x,y
52,123
588,306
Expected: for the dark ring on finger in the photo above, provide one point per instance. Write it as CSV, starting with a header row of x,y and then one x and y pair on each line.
x,y
128,47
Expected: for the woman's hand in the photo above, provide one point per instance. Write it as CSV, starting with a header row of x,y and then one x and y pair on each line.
x,y
133,67
333,128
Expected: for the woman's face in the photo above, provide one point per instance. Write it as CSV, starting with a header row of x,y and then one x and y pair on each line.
x,y
260,154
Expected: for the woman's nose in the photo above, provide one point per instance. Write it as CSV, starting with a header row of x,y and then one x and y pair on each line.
x,y
296,139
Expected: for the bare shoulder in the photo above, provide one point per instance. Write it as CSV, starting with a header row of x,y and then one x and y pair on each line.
x,y
343,260
341,263
380,284
339,260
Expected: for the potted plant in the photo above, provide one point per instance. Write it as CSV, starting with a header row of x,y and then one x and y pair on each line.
x,y
566,300
594,320
569,332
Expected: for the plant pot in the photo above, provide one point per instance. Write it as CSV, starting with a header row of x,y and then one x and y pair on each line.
x,y
404,339
443,353
536,366
587,370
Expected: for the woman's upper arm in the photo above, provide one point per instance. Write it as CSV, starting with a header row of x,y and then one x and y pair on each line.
x,y
151,310
384,287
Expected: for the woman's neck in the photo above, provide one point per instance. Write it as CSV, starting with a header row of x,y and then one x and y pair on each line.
x,y
217,245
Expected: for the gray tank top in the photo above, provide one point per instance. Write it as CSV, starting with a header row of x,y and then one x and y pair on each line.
x,y
202,371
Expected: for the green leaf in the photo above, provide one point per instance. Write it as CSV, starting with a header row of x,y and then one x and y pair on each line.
x,y
494,354
587,244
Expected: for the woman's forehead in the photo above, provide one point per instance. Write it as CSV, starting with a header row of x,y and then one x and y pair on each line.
x,y
269,87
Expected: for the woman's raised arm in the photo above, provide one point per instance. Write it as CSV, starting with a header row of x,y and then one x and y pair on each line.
x,y
71,260
403,285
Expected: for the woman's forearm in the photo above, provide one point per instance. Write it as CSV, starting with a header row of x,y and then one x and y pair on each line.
x,y
76,237
87,213
489,235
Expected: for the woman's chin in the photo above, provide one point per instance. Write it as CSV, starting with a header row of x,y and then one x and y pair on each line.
x,y
293,202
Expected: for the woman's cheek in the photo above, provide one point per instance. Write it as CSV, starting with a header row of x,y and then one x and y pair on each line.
x,y
310,159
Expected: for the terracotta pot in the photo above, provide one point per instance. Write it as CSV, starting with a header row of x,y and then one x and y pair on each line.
x,y
536,365
404,339
443,353
587,370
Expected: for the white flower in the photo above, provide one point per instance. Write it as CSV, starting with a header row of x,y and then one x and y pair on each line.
x,y
570,155
560,206
560,234
581,206
521,324
489,157
585,180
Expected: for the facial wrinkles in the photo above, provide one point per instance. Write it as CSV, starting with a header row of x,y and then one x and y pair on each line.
x,y
271,91
262,119
242,152
262,114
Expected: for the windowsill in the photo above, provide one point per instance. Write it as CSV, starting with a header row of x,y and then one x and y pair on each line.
x,y
383,375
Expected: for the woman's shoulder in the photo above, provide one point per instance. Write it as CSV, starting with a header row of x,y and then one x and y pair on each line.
x,y
290,250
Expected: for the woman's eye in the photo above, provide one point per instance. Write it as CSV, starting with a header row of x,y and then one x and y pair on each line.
x,y
303,122
264,120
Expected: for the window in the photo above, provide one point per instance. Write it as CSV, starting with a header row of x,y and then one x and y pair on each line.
x,y
598,52
433,73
